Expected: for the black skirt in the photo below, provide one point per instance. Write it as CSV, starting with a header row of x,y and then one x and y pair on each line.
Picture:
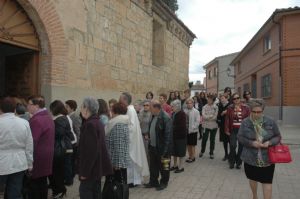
x,y
260,174
179,147
192,139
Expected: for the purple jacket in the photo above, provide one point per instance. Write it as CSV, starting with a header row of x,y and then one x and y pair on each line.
x,y
42,128
94,160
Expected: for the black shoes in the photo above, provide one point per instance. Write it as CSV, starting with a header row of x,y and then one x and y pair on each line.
x,y
231,166
200,155
161,187
150,185
190,160
173,168
211,156
179,170
225,158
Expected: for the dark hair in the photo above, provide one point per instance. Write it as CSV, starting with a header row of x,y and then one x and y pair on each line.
x,y
211,96
164,96
57,107
202,93
103,108
227,89
72,104
37,100
128,97
119,108
232,96
246,93
20,109
156,105
149,93
177,97
7,105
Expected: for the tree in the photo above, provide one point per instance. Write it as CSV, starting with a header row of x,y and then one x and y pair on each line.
x,y
191,84
173,5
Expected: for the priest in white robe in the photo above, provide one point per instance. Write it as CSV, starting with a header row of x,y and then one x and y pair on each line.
x,y
139,165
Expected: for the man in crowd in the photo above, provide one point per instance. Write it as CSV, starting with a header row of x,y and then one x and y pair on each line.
x,y
159,147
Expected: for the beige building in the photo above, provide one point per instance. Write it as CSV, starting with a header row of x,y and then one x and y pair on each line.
x,y
75,48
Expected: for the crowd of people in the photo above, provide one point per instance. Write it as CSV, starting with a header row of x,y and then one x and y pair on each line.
x,y
43,149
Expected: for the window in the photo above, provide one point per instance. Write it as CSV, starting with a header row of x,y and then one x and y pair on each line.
x,y
209,74
266,86
246,87
158,44
215,71
239,91
267,43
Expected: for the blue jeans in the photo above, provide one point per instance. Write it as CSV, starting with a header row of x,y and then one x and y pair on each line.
x,y
12,184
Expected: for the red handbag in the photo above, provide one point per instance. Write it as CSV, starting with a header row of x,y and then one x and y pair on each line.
x,y
279,154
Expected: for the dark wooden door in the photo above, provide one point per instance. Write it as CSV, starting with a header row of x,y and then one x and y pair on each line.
x,y
21,74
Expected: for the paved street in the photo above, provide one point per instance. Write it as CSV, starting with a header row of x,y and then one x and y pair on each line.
x,y
212,179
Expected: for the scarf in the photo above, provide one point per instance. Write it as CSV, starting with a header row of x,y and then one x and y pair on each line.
x,y
124,119
260,133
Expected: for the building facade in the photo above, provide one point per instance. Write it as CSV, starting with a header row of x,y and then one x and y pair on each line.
x,y
75,48
217,76
269,65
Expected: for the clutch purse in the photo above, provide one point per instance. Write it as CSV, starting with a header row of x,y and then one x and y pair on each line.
x,y
279,154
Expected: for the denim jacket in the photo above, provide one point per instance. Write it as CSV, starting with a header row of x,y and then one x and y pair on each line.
x,y
247,136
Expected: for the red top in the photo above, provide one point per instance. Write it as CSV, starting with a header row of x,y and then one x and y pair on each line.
x,y
167,108
234,118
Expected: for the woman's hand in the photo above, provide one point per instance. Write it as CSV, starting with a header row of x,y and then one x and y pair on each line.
x,y
82,178
257,144
266,144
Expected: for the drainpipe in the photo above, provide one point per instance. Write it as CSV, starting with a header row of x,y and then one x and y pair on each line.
x,y
280,69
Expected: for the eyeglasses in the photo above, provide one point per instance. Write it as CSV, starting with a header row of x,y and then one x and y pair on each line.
x,y
235,98
146,104
257,112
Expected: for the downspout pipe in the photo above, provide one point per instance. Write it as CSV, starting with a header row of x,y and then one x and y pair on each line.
x,y
280,68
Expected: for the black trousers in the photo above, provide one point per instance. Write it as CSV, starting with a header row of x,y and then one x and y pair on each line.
x,y
38,188
156,168
90,189
235,157
57,177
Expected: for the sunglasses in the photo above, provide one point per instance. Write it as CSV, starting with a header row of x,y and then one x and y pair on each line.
x,y
256,112
236,98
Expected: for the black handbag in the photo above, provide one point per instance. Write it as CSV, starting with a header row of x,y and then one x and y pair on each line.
x,y
114,189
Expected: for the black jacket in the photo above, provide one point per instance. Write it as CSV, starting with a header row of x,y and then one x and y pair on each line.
x,y
163,130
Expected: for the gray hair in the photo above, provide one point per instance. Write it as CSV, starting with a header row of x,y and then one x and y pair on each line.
x,y
146,101
176,104
127,97
91,104
257,103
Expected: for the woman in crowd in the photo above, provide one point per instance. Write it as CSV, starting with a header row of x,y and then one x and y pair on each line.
x,y
203,99
172,97
179,136
210,114
43,132
193,121
103,111
111,102
149,95
117,141
222,110
228,94
145,119
71,107
94,160
63,150
177,95
247,97
236,113
256,134
16,149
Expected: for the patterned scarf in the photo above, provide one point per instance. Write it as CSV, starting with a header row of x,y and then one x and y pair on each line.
x,y
260,133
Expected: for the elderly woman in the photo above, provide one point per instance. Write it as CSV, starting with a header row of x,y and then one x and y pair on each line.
x,y
117,141
179,136
16,149
257,133
94,161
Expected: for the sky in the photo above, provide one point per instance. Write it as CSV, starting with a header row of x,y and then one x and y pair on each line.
x,y
223,26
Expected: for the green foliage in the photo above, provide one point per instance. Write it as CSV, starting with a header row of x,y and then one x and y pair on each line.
x,y
191,84
173,5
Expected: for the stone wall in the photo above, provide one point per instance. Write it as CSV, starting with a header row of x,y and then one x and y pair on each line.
x,y
109,50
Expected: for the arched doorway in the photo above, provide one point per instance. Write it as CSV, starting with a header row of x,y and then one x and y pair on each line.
x,y
19,52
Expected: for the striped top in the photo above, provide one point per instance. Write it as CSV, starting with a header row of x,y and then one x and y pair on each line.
x,y
238,118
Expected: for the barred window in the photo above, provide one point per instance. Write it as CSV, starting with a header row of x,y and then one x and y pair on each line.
x,y
266,86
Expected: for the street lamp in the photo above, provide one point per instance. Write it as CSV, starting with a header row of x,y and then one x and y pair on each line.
x,y
229,72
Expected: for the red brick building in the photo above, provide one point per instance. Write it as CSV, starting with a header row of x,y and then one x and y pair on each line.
x,y
269,65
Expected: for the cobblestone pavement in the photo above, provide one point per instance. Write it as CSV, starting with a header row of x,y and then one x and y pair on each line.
x,y
212,179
